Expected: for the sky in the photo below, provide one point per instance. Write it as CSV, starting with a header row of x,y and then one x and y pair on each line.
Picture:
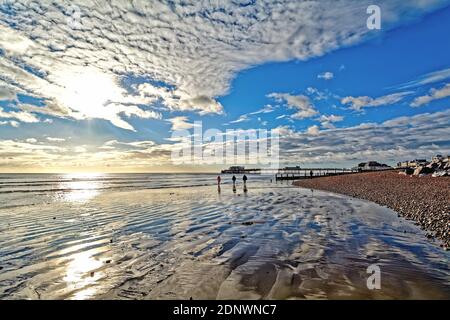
x,y
104,85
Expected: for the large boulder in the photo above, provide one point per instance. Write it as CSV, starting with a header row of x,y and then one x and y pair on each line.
x,y
423,170
441,173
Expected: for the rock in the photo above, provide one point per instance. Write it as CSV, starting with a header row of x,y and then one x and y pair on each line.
x,y
440,174
417,171
423,171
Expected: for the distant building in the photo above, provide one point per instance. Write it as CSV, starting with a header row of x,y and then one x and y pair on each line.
x,y
403,164
418,163
292,168
412,164
372,166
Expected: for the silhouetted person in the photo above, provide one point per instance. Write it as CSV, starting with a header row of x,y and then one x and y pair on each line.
x,y
244,178
234,183
218,180
311,174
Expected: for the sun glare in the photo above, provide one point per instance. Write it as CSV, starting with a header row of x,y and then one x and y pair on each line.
x,y
81,186
87,91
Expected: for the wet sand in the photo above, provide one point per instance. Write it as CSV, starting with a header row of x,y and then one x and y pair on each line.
x,y
426,200
269,243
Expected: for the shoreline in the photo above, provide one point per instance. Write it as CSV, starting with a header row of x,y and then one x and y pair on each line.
x,y
425,200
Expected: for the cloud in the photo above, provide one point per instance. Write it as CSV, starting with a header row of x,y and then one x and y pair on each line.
x,y
266,109
80,149
246,117
327,121
242,118
303,105
22,116
434,94
313,130
12,123
326,75
7,94
358,103
195,48
428,78
331,118
180,123
398,139
51,139
318,95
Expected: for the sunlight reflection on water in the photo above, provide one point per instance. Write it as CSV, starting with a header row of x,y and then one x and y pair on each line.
x,y
83,187
80,274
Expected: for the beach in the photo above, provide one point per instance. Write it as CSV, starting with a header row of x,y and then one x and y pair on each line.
x,y
425,200
178,237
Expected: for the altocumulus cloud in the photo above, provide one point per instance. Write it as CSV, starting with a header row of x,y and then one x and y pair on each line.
x,y
358,103
434,94
194,47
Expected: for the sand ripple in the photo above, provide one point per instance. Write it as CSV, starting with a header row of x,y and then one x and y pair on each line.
x,y
271,243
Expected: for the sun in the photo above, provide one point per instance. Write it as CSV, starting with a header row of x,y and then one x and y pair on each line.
x,y
88,91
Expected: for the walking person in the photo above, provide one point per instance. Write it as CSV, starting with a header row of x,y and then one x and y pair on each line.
x,y
218,183
244,178
234,183
311,174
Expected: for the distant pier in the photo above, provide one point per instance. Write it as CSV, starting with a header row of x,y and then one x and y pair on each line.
x,y
241,171
298,173
291,173
307,173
